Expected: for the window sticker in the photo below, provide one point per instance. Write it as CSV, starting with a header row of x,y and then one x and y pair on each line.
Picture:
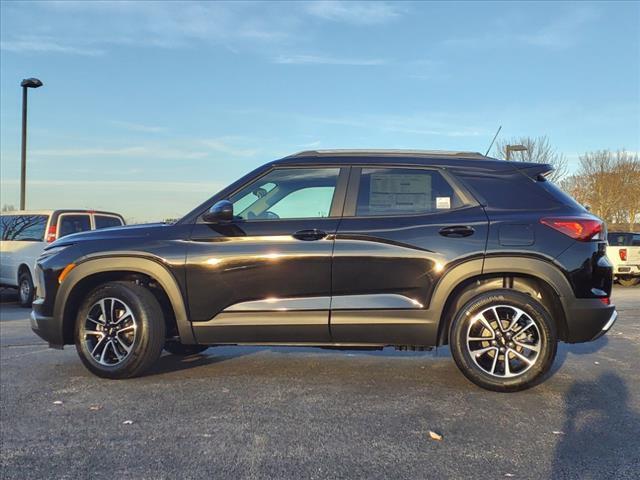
x,y
399,192
443,203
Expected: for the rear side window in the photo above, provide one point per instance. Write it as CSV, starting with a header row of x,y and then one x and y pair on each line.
x,y
106,221
513,191
26,228
68,224
404,191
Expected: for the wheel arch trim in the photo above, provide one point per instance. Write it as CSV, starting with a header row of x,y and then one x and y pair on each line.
x,y
128,263
515,266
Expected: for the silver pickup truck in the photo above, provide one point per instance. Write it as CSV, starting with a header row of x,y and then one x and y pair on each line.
x,y
624,253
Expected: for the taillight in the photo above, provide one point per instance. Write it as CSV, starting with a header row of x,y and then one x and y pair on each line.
x,y
582,229
623,254
52,233
605,300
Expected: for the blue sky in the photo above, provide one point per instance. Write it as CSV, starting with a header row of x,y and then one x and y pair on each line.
x,y
149,108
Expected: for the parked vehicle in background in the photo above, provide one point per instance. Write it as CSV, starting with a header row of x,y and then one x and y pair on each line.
x,y
624,253
344,249
24,234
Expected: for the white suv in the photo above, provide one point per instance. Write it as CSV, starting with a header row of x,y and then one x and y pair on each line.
x,y
624,253
24,234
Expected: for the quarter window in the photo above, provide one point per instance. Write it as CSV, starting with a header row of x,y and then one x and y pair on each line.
x,y
404,191
287,193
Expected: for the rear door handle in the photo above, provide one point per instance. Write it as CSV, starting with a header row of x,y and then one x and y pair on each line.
x,y
457,231
309,235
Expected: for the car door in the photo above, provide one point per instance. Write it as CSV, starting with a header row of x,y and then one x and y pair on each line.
x,y
265,276
403,227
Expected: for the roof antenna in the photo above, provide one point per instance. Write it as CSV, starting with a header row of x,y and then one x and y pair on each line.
x,y
494,139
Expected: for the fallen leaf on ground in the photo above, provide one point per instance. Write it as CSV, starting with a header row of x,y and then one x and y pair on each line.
x,y
58,402
435,436
596,363
95,407
558,432
508,474
225,390
127,422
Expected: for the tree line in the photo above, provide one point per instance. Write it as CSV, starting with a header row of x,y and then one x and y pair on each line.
x,y
606,182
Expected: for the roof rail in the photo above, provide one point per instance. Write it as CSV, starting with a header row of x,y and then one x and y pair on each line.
x,y
385,152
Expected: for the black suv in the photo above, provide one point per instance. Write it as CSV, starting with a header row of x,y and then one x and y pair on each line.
x,y
343,249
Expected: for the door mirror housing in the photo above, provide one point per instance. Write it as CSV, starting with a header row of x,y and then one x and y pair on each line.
x,y
221,211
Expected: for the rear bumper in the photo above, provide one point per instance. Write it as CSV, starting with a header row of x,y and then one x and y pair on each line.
x,y
631,270
589,319
47,328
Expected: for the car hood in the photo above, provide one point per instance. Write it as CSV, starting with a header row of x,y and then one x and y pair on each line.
x,y
127,231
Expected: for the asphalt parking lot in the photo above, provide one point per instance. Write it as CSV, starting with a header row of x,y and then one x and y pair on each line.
x,y
308,413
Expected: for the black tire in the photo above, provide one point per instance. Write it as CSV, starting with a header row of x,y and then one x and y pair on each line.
x,y
489,369
629,282
176,348
148,335
25,289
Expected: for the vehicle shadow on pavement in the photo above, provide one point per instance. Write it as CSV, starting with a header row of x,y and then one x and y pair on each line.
x,y
564,349
600,433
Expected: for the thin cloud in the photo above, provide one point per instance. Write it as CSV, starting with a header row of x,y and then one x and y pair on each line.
x,y
562,32
220,145
157,152
138,127
356,13
45,45
320,60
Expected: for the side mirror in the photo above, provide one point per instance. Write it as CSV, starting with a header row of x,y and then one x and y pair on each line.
x,y
221,211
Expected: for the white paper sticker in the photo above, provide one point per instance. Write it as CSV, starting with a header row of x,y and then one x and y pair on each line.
x,y
443,203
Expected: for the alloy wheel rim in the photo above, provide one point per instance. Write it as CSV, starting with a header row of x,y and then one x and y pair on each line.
x,y
504,341
24,291
110,330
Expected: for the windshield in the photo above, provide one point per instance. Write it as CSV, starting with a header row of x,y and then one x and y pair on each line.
x,y
25,228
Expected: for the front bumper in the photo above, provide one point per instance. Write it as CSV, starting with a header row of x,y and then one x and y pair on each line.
x,y
589,319
46,327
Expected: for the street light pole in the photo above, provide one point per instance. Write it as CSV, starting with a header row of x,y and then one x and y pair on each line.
x,y
515,148
25,84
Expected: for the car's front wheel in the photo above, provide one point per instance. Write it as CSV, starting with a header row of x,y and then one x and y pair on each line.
x,y
25,289
503,340
120,330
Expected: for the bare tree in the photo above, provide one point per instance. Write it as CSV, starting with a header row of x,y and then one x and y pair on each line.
x,y
539,150
609,183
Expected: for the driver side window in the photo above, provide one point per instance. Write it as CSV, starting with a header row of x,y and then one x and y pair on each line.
x,y
287,193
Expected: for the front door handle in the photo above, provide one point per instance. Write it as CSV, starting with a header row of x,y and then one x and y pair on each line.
x,y
457,231
309,235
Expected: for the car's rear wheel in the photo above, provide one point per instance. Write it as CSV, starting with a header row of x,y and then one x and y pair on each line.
x,y
25,289
629,281
503,340
177,348
120,330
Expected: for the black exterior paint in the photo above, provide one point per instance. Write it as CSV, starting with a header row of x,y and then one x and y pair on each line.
x,y
219,265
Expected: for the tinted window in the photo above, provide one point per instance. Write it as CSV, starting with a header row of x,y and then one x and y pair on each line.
x,y
68,224
624,239
287,193
23,227
404,191
104,221
512,191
